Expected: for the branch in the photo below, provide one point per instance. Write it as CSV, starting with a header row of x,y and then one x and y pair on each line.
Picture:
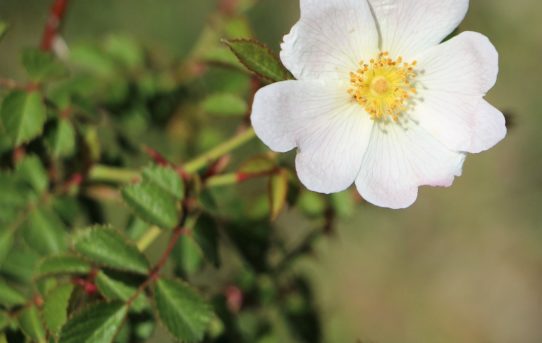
x,y
56,16
224,148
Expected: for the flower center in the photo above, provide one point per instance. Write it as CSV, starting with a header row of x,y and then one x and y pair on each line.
x,y
384,86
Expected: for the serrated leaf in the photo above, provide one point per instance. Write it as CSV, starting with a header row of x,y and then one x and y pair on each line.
x,y
165,178
108,247
23,115
61,139
225,105
55,307
62,264
31,324
31,171
42,66
259,59
184,313
44,232
152,204
113,289
9,296
278,191
96,324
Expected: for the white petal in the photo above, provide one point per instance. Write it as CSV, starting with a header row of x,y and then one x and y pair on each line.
x,y
466,64
331,131
400,159
454,78
329,157
330,39
410,26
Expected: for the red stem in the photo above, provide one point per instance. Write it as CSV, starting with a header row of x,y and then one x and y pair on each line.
x,y
56,16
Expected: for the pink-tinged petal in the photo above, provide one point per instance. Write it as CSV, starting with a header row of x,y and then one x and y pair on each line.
x,y
410,26
330,39
399,159
331,131
454,78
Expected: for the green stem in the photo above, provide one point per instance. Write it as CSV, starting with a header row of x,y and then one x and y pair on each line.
x,y
103,173
112,174
221,150
222,180
148,238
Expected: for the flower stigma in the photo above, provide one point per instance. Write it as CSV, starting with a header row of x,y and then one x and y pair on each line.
x,y
384,86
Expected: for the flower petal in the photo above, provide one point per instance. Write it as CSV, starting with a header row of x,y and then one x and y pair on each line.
x,y
399,159
454,78
331,131
410,26
330,39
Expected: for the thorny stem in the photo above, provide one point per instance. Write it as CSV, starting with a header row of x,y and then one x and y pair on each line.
x,y
56,16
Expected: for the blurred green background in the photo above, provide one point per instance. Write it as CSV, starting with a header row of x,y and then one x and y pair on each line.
x,y
463,264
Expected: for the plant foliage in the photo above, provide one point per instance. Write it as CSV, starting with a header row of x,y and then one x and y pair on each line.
x,y
124,204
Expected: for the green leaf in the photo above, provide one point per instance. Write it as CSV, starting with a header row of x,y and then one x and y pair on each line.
x,y
23,115
42,66
55,307
20,263
61,139
31,324
108,247
31,171
206,235
113,289
259,59
14,195
225,105
96,324
6,242
125,50
4,321
184,313
152,204
188,255
10,297
92,59
44,232
165,178
278,191
62,264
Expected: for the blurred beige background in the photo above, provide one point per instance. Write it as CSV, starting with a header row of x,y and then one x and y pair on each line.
x,y
463,264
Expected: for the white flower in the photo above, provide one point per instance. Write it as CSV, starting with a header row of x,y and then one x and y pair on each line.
x,y
378,101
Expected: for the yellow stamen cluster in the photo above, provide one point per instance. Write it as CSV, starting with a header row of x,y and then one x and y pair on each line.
x,y
384,86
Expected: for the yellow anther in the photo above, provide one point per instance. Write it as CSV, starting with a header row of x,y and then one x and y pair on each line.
x,y
384,87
